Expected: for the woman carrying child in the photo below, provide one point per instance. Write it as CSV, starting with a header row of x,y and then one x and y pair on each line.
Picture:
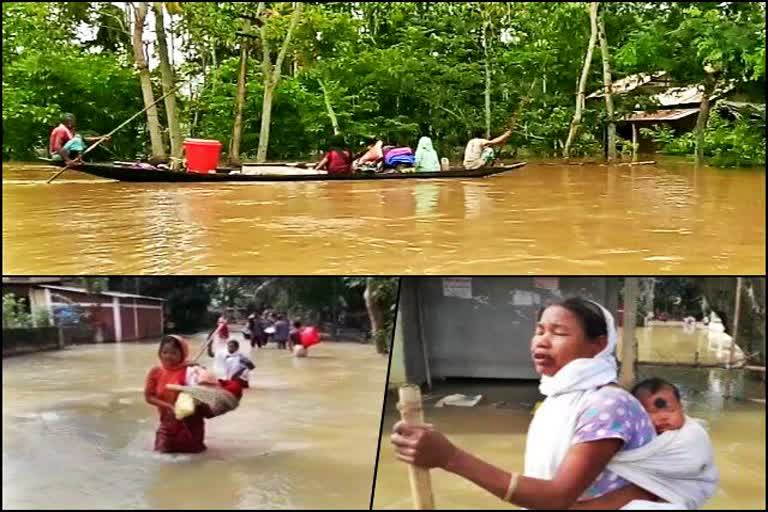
x,y
173,435
586,423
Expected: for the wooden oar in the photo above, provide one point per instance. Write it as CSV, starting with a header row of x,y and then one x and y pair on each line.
x,y
412,413
102,139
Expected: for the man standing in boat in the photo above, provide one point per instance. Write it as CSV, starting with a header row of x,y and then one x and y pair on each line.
x,y
64,144
480,152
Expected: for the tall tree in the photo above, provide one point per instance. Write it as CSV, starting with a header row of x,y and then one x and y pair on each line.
x,y
168,82
608,83
272,73
140,10
237,126
580,95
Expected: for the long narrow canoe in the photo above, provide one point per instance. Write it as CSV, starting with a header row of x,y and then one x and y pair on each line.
x,y
146,174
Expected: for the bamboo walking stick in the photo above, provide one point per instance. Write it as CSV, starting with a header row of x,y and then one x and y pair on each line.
x,y
412,413
105,137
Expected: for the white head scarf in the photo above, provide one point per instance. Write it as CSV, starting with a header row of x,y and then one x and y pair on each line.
x,y
426,156
586,373
551,430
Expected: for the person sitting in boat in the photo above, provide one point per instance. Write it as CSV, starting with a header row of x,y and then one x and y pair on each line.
x,y
480,152
426,156
62,135
338,160
371,158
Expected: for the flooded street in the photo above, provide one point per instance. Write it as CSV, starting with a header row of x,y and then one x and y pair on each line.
x,y
78,434
496,428
675,344
543,218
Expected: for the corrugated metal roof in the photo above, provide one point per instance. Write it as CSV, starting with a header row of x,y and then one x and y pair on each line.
x,y
660,115
630,83
668,98
107,293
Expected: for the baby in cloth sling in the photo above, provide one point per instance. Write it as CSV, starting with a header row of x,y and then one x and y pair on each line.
x,y
676,465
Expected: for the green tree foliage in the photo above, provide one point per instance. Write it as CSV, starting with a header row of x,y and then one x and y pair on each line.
x,y
16,314
392,70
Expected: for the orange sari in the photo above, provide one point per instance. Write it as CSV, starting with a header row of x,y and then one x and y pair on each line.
x,y
175,436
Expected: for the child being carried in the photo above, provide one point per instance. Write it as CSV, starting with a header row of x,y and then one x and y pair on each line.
x,y
221,395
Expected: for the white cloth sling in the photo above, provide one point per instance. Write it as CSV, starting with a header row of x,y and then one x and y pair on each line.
x,y
666,468
678,466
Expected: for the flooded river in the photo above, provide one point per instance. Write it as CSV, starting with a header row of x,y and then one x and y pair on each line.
x,y
77,433
546,219
495,429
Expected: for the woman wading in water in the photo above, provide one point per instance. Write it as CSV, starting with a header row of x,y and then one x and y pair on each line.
x,y
174,435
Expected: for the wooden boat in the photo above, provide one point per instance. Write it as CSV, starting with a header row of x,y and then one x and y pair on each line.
x,y
145,173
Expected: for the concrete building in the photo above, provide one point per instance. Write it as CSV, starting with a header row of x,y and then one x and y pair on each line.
x,y
478,327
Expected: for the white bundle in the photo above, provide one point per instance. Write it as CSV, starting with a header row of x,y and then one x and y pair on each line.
x,y
218,399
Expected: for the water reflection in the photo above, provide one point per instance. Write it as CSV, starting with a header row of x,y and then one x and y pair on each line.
x,y
550,219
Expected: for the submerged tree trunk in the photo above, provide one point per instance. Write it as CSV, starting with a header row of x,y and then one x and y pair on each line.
x,y
266,120
701,121
576,122
329,108
153,121
237,127
608,83
166,74
272,75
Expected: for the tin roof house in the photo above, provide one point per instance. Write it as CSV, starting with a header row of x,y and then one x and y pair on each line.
x,y
656,100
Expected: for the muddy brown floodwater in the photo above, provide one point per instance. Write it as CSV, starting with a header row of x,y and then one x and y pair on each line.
x,y
548,219
495,429
78,434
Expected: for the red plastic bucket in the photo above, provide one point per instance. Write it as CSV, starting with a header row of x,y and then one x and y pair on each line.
x,y
202,155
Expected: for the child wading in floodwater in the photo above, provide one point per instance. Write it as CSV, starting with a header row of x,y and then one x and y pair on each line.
x,y
173,435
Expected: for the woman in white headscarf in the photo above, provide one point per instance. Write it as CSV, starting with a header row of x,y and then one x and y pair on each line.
x,y
585,420
426,156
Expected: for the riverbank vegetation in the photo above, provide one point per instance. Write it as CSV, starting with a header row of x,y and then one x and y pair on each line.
x,y
276,80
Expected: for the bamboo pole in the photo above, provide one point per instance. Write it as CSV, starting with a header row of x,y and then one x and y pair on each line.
x,y
105,137
737,310
412,413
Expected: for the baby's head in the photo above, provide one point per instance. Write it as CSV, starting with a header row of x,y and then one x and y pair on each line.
x,y
233,346
661,399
